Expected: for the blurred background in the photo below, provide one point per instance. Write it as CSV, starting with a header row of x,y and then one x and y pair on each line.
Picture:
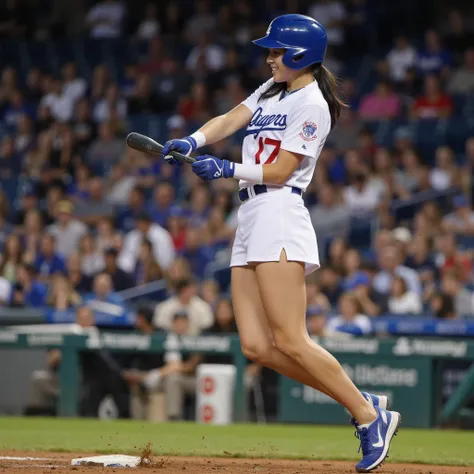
x,y
95,235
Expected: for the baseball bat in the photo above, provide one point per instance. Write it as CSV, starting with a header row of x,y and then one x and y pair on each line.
x,y
140,142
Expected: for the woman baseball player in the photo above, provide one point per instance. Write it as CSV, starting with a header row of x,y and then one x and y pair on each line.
x,y
288,119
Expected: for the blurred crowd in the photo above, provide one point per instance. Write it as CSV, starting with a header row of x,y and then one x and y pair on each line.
x,y
91,219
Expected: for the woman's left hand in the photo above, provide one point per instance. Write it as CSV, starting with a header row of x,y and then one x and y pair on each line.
x,y
209,167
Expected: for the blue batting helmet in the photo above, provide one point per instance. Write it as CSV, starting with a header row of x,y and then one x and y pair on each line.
x,y
304,39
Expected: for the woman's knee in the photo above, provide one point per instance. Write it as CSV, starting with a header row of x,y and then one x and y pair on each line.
x,y
288,344
257,351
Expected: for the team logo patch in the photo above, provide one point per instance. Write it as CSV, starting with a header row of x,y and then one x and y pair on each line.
x,y
309,131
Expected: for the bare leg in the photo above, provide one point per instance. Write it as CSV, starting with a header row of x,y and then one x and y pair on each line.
x,y
283,293
255,334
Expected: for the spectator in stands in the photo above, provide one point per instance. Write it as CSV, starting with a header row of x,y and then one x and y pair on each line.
x,y
147,268
362,196
202,20
79,188
350,319
462,79
345,135
196,106
164,203
6,228
60,105
5,291
67,230
419,259
206,56
210,292
450,258
120,183
461,221
101,79
451,284
121,280
16,109
161,241
143,100
28,201
10,163
62,296
433,58
434,103
179,270
442,306
107,235
74,87
401,300
28,291
197,252
390,262
24,136
315,297
105,19
330,217
95,206
92,260
170,85
459,36
150,27
136,206
316,322
332,14
217,234
83,128
112,104
11,258
411,169
80,282
382,104
400,59
48,260
330,284
103,292
186,300
445,174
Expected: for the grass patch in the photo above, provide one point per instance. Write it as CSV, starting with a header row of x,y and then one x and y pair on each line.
x,y
241,440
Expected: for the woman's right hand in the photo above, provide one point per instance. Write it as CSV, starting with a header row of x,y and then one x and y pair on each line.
x,y
184,145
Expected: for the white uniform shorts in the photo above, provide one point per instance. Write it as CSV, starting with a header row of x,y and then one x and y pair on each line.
x,y
270,222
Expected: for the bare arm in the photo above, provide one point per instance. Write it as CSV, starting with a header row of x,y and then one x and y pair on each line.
x,y
226,125
279,171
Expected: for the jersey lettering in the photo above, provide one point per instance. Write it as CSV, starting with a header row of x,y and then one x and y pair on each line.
x,y
261,146
260,123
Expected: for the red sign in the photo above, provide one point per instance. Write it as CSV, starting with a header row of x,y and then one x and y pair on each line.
x,y
208,385
207,413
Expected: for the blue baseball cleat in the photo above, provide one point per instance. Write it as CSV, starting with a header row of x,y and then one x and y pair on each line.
x,y
377,400
375,439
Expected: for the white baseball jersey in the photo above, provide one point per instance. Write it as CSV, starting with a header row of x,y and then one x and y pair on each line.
x,y
299,122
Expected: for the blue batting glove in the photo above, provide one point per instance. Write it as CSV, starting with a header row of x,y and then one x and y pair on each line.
x,y
209,167
184,145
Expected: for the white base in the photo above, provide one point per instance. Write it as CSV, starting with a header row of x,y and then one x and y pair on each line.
x,y
110,460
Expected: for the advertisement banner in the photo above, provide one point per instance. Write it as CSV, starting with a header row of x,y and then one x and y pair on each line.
x,y
407,383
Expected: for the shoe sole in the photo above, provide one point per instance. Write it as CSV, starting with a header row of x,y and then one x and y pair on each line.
x,y
392,431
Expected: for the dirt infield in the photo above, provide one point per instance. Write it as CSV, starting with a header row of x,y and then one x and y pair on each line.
x,y
47,462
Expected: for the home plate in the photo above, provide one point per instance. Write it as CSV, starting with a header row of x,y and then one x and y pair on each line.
x,y
111,460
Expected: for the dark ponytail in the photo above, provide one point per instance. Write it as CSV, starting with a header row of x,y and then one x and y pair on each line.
x,y
327,84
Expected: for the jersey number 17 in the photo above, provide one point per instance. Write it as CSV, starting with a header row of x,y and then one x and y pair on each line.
x,y
271,142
